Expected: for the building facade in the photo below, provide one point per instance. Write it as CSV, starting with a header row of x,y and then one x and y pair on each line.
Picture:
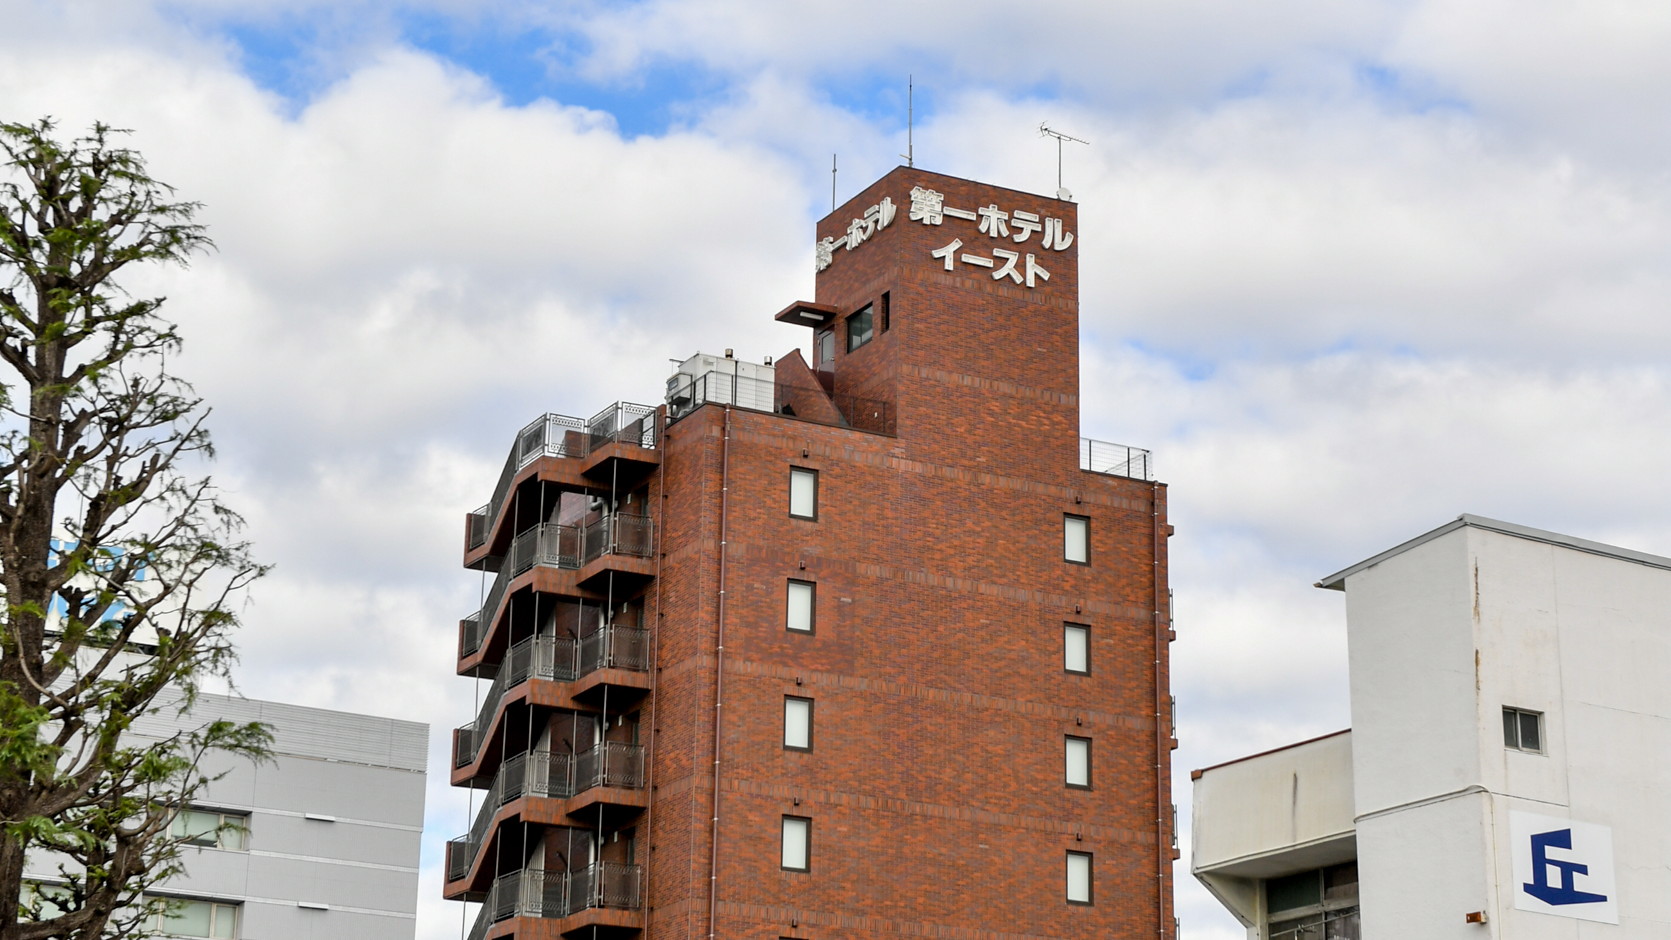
x,y
319,843
1505,775
870,645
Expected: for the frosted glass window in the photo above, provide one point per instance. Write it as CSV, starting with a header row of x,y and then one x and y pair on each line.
x,y
797,839
209,828
1079,762
1076,648
1079,877
1076,539
199,919
800,606
803,493
797,723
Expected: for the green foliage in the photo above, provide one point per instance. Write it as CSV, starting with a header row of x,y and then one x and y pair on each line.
x,y
120,569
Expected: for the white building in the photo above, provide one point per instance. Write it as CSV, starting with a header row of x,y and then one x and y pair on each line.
x,y
1508,770
329,829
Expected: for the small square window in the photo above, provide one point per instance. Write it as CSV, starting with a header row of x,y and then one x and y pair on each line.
x,y
801,604
1078,769
797,723
797,843
1079,878
1076,538
1523,730
803,493
1076,648
860,328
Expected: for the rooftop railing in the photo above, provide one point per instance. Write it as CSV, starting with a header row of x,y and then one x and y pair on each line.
x,y
1115,459
554,435
557,658
741,391
559,546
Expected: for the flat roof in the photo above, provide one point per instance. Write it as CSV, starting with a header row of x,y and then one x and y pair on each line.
x,y
1337,581
1196,774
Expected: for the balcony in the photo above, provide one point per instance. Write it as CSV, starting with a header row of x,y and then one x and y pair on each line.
x,y
619,439
551,776
1116,460
555,659
619,543
588,896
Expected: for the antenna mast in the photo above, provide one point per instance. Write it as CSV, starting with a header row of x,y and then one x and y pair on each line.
x,y
1045,131
910,120
832,181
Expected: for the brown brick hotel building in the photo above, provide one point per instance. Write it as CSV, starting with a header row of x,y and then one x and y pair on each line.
x,y
869,646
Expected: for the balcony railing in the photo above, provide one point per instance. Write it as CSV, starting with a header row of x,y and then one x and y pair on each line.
x,y
1332,925
1115,459
561,893
542,773
560,546
554,435
559,659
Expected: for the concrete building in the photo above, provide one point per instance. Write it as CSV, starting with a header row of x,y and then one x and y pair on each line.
x,y
871,645
326,844
1506,774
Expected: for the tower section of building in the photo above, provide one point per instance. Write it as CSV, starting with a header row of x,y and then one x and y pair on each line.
x,y
900,660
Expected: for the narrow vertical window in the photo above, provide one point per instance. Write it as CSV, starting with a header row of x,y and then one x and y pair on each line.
x,y
1076,532
1078,752
797,843
803,493
800,606
1079,878
1076,648
860,328
1523,730
797,723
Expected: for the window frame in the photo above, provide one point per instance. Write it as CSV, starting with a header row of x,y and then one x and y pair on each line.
x,y
1514,717
217,909
229,822
803,472
811,708
1090,878
1068,744
1084,630
867,314
812,606
1068,519
806,843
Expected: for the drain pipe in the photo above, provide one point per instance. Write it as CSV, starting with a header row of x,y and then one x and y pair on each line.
x,y
719,666
1163,851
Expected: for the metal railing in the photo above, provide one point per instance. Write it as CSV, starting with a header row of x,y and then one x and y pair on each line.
x,y
1333,925
561,893
559,546
542,773
1115,459
554,435
741,391
557,658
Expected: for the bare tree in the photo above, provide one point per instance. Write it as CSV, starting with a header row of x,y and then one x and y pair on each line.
x,y
120,566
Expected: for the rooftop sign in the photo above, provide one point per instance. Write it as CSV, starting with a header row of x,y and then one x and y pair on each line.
x,y
994,230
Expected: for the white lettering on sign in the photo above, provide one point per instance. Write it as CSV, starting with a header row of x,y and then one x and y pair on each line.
x,y
1016,226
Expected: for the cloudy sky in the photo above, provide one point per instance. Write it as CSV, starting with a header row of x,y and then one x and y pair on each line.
x,y
1351,267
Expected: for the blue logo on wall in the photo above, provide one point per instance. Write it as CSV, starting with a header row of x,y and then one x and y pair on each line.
x,y
1564,893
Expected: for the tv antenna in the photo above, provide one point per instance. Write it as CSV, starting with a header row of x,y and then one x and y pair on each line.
x,y
1045,131
910,120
